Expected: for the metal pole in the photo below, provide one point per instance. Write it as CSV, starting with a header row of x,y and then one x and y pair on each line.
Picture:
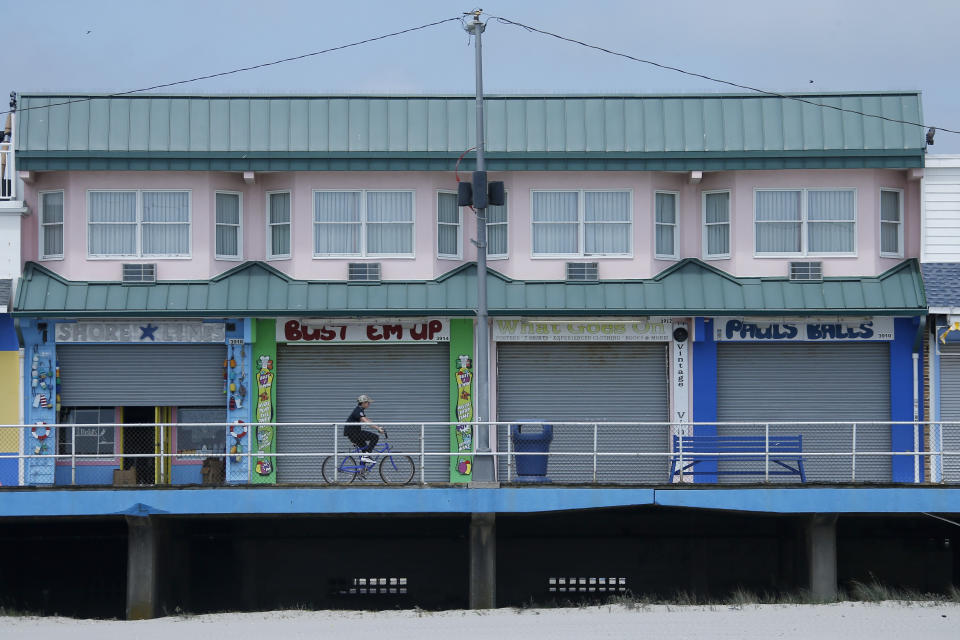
x,y
483,465
766,453
423,477
594,453
73,454
853,458
336,458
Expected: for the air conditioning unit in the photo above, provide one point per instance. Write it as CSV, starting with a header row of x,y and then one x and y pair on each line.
x,y
139,273
582,272
363,272
806,271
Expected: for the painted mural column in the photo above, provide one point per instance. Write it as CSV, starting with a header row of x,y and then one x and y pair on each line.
x,y
265,434
461,399
901,397
240,398
40,400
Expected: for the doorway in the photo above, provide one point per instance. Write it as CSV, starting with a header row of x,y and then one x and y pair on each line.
x,y
139,441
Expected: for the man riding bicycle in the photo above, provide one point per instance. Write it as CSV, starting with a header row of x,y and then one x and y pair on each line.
x,y
364,440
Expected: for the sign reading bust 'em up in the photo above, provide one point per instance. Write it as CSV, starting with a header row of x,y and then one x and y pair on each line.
x,y
333,331
639,330
842,330
141,332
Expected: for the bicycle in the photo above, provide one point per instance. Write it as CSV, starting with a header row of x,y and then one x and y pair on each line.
x,y
394,469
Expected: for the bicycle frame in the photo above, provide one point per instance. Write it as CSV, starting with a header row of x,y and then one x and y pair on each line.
x,y
366,467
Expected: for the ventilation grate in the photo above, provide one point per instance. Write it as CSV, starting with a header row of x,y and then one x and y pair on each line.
x,y
374,586
140,273
582,272
585,584
806,271
363,272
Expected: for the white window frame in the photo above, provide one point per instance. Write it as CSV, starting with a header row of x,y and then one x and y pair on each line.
x,y
674,255
42,226
363,225
138,224
704,225
289,224
459,254
581,225
804,239
899,223
506,225
239,226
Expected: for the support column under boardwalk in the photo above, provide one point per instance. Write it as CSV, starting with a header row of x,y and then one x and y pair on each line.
x,y
822,556
483,561
142,569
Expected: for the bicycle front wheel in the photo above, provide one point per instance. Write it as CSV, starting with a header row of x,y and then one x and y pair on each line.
x,y
346,470
396,469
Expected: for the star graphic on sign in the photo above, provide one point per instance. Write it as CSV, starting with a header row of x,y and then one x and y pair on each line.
x,y
147,332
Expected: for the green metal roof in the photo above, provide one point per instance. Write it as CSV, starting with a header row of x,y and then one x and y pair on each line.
x,y
634,132
690,287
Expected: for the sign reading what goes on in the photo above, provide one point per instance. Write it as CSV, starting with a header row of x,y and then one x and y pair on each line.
x,y
640,330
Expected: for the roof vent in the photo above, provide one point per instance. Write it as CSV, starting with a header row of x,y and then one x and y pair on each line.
x,y
140,273
582,272
363,272
806,271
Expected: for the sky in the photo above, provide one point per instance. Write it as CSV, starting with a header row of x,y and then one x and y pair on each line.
x,y
775,45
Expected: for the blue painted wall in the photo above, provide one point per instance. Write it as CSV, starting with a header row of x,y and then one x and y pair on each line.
x,y
38,342
901,396
704,388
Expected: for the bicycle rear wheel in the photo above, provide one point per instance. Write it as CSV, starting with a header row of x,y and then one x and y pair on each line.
x,y
346,471
396,469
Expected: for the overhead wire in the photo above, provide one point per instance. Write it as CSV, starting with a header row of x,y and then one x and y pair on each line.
x,y
667,67
242,69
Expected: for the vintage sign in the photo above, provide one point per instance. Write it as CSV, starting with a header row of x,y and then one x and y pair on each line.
x,y
141,332
802,330
332,331
639,330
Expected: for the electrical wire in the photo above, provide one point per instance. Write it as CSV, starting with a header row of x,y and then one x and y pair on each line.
x,y
956,524
250,68
507,21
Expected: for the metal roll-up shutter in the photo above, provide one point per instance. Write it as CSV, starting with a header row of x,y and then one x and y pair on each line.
x,y
409,383
139,375
577,382
950,409
834,382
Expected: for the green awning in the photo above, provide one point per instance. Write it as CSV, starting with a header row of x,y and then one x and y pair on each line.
x,y
691,287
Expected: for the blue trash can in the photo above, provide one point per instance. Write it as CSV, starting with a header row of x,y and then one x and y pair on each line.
x,y
534,440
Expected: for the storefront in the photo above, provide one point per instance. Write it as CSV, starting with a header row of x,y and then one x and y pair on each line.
x,y
324,364
593,370
945,365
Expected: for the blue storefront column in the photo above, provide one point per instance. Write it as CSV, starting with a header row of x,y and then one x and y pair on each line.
x,y
901,396
704,389
39,400
240,412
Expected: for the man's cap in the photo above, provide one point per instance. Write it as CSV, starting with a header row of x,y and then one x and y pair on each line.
x,y
364,398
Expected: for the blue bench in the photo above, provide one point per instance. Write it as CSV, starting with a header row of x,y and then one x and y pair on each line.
x,y
786,455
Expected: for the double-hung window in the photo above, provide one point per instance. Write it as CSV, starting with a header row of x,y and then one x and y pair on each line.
x,y
51,225
363,223
138,224
278,224
802,222
716,224
229,233
891,223
497,231
581,223
665,216
449,232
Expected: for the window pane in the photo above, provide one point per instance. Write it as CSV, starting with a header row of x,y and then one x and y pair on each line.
x,y
554,238
202,439
496,214
830,205
336,238
497,239
336,206
447,210
228,208
279,207
113,206
778,205
389,238
52,208
889,237
280,240
717,207
166,206
390,206
830,237
227,244
613,206
166,239
890,206
447,239
666,208
718,240
778,237
53,240
555,206
113,239
606,238
665,240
